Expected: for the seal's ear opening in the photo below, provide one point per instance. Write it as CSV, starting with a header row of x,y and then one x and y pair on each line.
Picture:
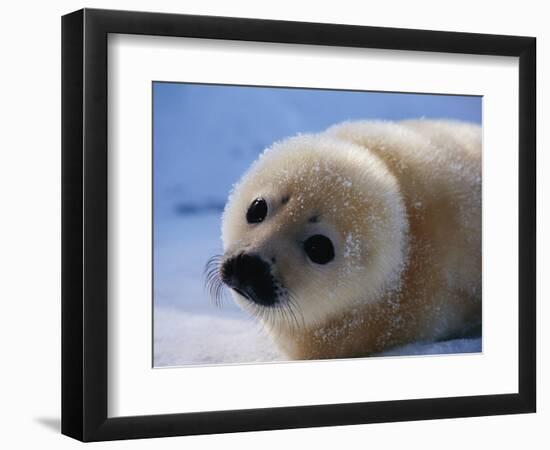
x,y
250,276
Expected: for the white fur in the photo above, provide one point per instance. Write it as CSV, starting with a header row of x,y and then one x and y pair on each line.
x,y
363,180
328,172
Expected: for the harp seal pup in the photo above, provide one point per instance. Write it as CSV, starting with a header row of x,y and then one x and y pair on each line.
x,y
360,238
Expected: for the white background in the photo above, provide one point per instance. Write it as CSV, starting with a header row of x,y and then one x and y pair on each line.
x,y
137,390
30,226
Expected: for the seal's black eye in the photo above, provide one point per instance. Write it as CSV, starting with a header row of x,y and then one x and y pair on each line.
x,y
257,211
319,249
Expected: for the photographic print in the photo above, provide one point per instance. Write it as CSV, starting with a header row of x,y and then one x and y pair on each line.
x,y
226,218
308,224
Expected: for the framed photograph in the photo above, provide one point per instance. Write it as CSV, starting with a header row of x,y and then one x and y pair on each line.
x,y
273,224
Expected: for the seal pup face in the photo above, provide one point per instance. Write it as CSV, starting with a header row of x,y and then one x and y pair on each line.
x,y
315,227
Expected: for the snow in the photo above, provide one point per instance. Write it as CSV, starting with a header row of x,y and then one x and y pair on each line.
x,y
466,345
189,329
184,338
205,137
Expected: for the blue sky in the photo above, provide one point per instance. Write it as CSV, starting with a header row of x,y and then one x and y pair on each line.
x,y
205,136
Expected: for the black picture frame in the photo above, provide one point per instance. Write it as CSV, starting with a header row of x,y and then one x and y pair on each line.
x,y
84,224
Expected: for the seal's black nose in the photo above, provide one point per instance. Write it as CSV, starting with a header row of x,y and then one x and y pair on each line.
x,y
250,276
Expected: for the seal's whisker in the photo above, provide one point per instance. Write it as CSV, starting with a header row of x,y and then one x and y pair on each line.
x,y
295,306
213,283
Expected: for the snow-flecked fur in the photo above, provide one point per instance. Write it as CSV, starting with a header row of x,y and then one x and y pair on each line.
x,y
401,201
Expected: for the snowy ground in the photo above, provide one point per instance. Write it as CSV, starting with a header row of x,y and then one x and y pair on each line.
x,y
204,138
183,338
189,329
